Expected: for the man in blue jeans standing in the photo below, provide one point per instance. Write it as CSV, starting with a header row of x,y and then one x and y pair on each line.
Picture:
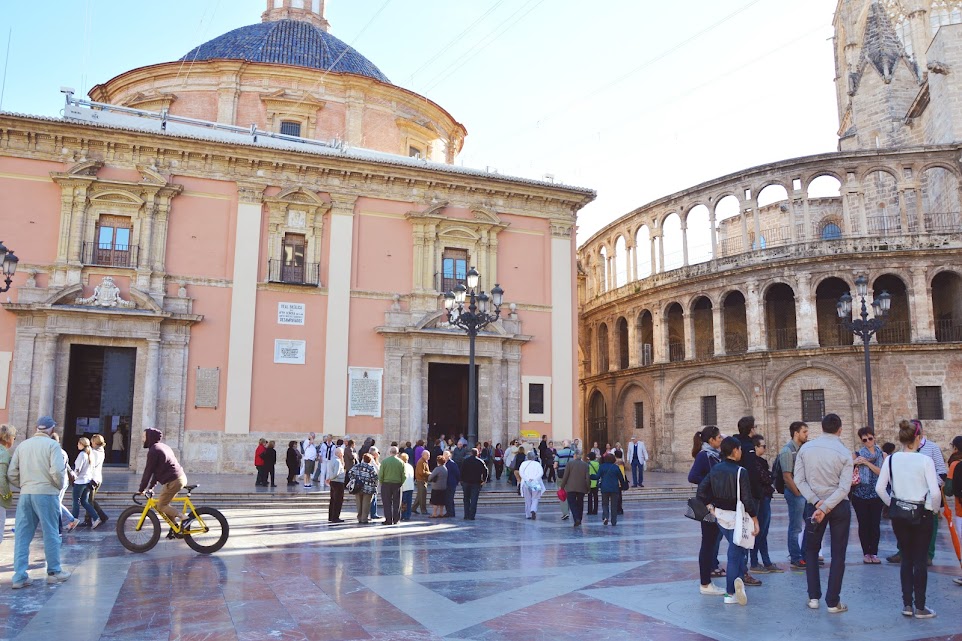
x,y
823,472
38,469
474,474
793,496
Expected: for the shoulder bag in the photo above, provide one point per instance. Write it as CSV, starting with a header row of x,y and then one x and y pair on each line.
x,y
899,510
742,536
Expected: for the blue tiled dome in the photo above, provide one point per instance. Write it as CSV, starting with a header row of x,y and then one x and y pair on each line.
x,y
287,42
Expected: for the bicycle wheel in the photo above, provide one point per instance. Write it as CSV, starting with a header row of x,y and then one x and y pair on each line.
x,y
138,540
214,534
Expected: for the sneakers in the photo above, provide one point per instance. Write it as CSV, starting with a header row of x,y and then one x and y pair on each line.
x,y
758,569
95,524
957,581
740,595
813,604
711,590
58,577
895,558
751,581
771,568
604,521
308,485
72,525
565,517
907,611
799,565
18,585
925,613
729,600
838,609
534,516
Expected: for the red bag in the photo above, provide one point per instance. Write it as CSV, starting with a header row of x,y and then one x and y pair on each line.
x,y
562,495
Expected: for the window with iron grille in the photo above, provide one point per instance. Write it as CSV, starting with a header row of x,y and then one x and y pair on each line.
x,y
639,416
113,241
535,398
813,405
929,399
292,268
454,268
290,128
709,410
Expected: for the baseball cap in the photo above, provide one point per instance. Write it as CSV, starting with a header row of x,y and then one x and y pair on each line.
x,y
46,423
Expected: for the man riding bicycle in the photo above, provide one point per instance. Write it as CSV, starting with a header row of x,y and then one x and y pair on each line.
x,y
162,467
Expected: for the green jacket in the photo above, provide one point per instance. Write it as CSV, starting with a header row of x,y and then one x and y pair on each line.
x,y
392,471
593,471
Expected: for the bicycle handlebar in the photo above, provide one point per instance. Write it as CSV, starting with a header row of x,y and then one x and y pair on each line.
x,y
139,498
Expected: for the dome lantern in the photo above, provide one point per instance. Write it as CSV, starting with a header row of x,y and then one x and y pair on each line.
x,y
311,11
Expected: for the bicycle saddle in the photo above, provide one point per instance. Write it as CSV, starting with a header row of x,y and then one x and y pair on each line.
x,y
191,488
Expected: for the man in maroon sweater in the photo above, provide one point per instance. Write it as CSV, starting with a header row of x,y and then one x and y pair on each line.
x,y
162,467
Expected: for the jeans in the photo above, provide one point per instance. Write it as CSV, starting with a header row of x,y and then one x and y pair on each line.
x,y
391,495
80,497
708,552
796,520
608,500
471,491
406,499
914,543
3,522
869,515
373,507
764,522
34,510
576,503
737,561
593,501
840,520
337,501
637,473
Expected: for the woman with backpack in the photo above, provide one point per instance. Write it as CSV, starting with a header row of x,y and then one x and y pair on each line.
x,y
913,506
707,455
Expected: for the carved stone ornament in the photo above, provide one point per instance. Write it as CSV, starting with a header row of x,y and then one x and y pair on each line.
x,y
106,294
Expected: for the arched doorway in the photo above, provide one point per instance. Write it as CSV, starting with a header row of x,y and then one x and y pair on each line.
x,y
597,419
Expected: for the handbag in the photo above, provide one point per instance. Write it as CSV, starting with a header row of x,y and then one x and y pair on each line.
x,y
742,536
907,511
353,486
562,495
856,476
697,511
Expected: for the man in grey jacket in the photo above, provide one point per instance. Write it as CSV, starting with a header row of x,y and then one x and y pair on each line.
x,y
823,473
576,482
38,469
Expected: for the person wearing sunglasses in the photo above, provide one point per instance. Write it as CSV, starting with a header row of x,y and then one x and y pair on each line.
x,y
865,500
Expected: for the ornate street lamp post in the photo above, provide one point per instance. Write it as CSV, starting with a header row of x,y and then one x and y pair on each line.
x,y
472,319
9,263
865,328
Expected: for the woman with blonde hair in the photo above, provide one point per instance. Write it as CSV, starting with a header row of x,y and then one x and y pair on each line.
x,y
8,433
83,475
97,458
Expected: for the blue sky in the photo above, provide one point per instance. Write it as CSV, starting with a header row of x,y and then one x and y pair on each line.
x,y
634,98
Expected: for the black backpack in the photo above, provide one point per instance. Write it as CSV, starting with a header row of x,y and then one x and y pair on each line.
x,y
777,475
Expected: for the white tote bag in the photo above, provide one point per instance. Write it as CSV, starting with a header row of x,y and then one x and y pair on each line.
x,y
744,526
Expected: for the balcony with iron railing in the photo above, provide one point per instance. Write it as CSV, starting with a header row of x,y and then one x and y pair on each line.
x,y
279,271
676,352
736,343
948,331
782,338
109,255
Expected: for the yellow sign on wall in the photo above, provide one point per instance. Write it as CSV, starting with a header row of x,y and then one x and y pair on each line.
x,y
529,433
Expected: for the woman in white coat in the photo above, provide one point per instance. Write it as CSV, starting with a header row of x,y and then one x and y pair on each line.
x,y
529,475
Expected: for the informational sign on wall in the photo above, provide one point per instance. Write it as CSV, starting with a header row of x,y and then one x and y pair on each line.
x,y
207,387
364,391
290,313
289,352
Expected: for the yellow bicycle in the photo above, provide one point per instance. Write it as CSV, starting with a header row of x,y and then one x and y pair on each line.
x,y
204,529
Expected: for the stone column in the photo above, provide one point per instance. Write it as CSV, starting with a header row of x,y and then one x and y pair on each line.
x,y
923,325
903,213
718,328
614,358
807,320
684,243
756,223
653,256
713,233
634,349
689,342
151,384
754,318
661,251
806,217
48,375
659,329
862,214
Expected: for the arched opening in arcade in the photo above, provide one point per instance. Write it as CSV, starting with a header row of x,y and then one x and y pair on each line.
x,y
704,327
947,306
898,323
623,347
597,418
831,332
780,323
735,323
602,348
675,316
646,337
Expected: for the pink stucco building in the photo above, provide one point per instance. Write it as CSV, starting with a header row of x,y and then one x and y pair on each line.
x,y
181,269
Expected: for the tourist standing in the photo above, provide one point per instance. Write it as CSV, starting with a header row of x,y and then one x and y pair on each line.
x,y
309,458
270,462
498,462
421,473
325,454
594,465
474,474
764,512
915,484
865,500
748,461
706,452
97,458
364,474
454,477
725,486
391,477
487,457
293,462
823,472
637,457
376,462
117,446
8,434
336,477
510,456
609,481
407,488
575,482
439,488
37,468
261,478
798,431
529,477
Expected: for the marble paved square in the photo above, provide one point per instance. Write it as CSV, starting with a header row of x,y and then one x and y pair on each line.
x,y
286,574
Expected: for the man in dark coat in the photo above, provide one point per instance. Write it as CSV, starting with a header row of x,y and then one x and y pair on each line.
x,y
454,477
474,474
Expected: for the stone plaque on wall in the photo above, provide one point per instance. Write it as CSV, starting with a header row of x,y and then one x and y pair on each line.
x,y
290,313
364,391
289,352
207,387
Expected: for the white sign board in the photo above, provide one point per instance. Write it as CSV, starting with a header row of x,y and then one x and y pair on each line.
x,y
289,352
290,313
364,391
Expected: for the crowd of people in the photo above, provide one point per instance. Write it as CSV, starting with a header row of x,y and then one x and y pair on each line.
x,y
822,482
